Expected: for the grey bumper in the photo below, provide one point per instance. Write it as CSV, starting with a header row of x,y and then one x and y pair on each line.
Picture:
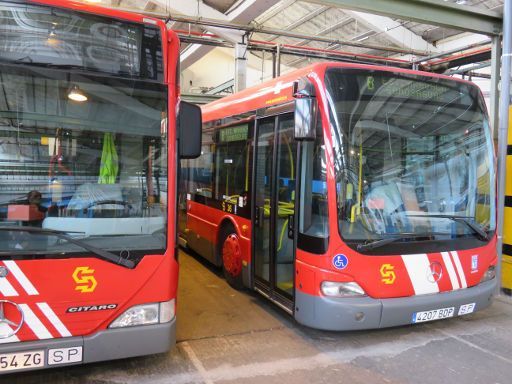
x,y
109,344
343,314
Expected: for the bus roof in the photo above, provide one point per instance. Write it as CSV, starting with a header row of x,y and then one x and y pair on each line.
x,y
279,90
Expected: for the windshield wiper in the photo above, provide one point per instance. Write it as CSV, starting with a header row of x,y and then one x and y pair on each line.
x,y
395,238
467,220
105,255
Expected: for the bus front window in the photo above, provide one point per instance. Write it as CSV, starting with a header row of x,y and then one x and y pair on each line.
x,y
414,158
83,137
95,169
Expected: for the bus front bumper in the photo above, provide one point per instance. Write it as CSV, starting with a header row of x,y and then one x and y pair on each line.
x,y
108,344
345,314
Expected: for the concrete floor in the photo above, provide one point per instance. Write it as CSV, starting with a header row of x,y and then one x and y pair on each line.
x,y
225,336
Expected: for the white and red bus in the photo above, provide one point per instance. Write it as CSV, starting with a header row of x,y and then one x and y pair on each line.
x,y
352,196
89,148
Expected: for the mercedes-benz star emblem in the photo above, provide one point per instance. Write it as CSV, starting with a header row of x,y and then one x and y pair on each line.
x,y
435,272
3,272
11,319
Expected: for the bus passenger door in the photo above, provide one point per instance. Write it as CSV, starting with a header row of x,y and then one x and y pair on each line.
x,y
274,209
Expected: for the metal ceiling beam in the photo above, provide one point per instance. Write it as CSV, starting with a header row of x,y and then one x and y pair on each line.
x,y
306,18
295,35
331,46
275,11
432,12
200,9
302,20
195,52
393,30
243,12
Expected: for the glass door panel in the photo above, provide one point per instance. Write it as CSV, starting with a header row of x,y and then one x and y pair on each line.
x,y
286,151
263,194
274,207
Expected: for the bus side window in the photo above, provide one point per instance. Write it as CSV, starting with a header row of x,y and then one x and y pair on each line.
x,y
313,214
198,172
231,164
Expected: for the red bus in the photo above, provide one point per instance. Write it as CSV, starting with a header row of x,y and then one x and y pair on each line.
x,y
89,143
352,196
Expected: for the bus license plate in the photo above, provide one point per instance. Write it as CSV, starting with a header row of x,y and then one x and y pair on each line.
x,y
435,314
21,360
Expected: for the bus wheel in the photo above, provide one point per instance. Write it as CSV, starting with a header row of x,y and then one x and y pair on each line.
x,y
231,253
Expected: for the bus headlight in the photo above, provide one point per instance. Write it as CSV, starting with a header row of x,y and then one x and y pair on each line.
x,y
145,314
489,274
336,289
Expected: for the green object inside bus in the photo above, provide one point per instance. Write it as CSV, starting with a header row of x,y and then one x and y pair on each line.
x,y
109,167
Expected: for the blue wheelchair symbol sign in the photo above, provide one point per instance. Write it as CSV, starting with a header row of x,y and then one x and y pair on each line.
x,y
340,261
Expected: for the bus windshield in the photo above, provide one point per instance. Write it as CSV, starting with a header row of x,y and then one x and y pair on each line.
x,y
413,157
81,154
83,140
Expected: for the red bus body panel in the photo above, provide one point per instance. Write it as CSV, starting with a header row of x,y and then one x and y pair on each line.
x,y
370,272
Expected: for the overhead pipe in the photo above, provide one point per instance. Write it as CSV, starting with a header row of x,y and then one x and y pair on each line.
x,y
425,56
466,58
452,51
351,54
471,74
339,56
465,70
270,31
257,45
458,56
278,60
279,32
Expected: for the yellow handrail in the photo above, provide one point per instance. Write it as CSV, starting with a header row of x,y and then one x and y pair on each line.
x,y
356,209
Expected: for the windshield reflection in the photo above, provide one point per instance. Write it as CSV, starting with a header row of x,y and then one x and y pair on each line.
x,y
412,153
94,169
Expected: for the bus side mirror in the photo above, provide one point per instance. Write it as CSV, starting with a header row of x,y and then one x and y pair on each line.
x,y
306,109
189,130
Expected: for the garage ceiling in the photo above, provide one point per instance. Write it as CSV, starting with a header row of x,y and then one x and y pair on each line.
x,y
376,35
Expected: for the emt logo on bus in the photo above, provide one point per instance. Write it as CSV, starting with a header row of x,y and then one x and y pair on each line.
x,y
387,271
84,279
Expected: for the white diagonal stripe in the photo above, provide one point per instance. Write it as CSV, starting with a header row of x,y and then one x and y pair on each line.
x,y
451,271
20,276
460,271
34,323
5,330
418,268
6,288
54,319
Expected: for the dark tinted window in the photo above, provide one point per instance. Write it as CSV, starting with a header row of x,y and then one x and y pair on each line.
x,y
231,163
313,214
197,173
